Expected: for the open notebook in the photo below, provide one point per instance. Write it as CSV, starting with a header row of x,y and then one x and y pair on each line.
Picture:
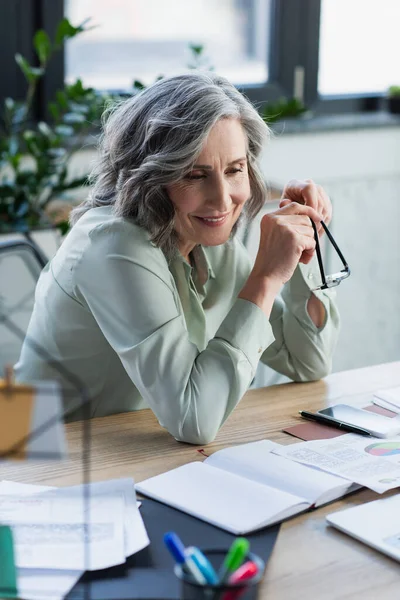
x,y
244,488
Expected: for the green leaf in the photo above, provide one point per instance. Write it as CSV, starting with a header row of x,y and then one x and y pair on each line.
x,y
197,49
66,31
23,210
72,118
15,160
42,44
64,130
18,114
76,90
45,130
72,184
9,104
79,108
31,73
54,110
62,99
56,152
13,146
6,191
63,226
32,142
138,85
394,90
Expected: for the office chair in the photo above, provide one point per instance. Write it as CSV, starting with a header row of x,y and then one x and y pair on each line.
x,y
20,266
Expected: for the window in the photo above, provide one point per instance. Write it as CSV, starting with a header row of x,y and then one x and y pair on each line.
x,y
330,53
141,39
358,46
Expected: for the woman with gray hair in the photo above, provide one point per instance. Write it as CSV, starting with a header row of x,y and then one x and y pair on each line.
x,y
151,301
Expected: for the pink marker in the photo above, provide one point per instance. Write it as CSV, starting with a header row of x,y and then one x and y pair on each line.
x,y
247,571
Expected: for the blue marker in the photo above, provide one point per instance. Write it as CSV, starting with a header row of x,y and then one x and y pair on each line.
x,y
177,549
203,564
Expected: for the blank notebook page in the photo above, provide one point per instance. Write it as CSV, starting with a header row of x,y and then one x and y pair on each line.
x,y
221,498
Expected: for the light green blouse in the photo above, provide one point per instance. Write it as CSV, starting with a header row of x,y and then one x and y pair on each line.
x,y
140,332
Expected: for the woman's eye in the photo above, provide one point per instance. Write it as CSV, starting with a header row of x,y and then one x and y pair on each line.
x,y
194,176
233,171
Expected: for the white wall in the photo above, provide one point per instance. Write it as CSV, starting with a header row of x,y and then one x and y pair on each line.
x,y
361,171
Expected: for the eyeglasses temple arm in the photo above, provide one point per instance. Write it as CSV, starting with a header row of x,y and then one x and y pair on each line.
x,y
318,251
334,244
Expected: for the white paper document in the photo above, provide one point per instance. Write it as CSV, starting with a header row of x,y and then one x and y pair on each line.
x,y
50,531
45,584
40,584
59,533
135,535
389,399
368,461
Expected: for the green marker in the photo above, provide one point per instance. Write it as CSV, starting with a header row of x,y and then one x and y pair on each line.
x,y
235,557
8,572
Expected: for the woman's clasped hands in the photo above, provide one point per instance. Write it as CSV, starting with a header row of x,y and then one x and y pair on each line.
x,y
287,235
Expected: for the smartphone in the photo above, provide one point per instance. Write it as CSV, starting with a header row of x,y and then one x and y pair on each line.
x,y
377,425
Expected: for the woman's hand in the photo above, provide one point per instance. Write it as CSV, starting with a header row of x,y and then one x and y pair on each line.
x,y
287,238
310,194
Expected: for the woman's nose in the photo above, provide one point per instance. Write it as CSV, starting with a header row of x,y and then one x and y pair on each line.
x,y
220,196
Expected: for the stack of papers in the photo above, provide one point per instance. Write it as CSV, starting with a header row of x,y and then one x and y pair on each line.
x,y
59,533
389,399
368,461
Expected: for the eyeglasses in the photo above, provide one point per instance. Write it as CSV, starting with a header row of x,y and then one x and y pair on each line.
x,y
329,281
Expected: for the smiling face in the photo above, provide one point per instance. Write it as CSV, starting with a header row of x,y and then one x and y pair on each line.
x,y
209,200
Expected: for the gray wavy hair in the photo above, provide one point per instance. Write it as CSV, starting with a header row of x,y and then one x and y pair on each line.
x,y
153,139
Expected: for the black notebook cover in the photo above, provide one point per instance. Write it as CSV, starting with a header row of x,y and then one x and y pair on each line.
x,y
148,575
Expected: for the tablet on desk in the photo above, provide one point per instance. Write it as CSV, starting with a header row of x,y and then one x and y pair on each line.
x,y
376,425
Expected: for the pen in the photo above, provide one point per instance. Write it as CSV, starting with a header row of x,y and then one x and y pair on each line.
x,y
247,571
234,558
177,549
338,424
203,564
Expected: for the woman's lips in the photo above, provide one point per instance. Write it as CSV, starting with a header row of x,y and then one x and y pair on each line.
x,y
213,221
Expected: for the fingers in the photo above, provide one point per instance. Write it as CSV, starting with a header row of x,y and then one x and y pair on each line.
x,y
294,208
307,256
308,193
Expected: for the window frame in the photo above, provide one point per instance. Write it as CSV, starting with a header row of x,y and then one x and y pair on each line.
x,y
293,41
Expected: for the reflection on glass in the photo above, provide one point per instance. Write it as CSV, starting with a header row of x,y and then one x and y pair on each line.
x,y
141,39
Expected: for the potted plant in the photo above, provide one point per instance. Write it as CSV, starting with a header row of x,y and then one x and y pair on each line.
x,y
34,157
284,108
394,99
37,190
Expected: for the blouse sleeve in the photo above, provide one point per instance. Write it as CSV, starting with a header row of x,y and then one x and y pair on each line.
x,y
301,350
128,290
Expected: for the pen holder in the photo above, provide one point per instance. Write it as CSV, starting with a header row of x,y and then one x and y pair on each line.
x,y
248,590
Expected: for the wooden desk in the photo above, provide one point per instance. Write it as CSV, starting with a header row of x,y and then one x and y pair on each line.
x,y
310,560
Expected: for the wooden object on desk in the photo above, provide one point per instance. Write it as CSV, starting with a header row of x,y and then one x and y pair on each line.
x,y
310,560
16,409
